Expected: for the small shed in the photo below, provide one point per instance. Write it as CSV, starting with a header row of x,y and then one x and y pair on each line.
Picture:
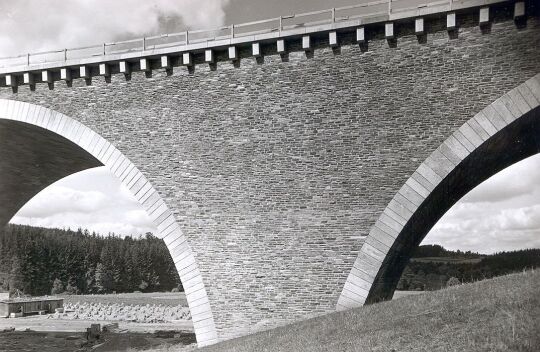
x,y
29,306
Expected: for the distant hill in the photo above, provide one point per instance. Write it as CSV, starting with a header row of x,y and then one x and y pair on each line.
x,y
432,266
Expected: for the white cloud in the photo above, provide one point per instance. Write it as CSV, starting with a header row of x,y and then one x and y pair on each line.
x,y
38,25
502,213
60,199
520,179
93,199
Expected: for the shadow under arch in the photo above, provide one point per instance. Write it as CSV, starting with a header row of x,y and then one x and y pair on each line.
x,y
505,132
40,146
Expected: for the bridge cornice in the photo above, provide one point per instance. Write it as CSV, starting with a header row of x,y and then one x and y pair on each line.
x,y
11,75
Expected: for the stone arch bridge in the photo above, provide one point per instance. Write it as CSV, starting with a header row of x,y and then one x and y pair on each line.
x,y
293,174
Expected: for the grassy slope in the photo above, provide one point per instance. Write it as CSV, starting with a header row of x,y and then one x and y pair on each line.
x,y
499,314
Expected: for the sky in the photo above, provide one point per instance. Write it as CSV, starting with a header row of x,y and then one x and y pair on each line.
x,y
503,213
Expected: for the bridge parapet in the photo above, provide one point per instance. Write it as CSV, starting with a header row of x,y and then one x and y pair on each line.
x,y
178,49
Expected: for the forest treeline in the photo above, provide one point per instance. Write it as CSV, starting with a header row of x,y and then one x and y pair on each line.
x,y
432,266
40,261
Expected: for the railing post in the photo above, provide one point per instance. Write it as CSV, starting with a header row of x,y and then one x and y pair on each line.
x,y
333,14
144,43
28,59
232,30
65,54
187,37
280,24
390,7
103,48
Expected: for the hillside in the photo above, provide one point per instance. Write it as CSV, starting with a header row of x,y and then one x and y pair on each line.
x,y
432,266
500,314
41,261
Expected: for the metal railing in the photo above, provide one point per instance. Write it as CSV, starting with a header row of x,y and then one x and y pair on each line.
x,y
278,24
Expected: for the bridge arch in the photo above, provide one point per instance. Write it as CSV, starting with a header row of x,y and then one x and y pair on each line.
x,y
40,146
503,133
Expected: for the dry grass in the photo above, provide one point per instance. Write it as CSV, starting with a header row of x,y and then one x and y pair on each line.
x,y
500,314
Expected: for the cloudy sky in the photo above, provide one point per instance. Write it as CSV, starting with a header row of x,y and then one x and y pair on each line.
x,y
501,214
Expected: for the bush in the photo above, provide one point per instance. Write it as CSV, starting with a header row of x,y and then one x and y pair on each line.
x,y
72,290
453,281
143,285
58,287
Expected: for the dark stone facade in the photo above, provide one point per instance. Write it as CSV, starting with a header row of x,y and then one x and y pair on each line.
x,y
277,169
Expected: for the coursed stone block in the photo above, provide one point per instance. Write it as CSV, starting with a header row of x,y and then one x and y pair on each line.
x,y
480,131
458,135
144,64
484,15
429,174
373,241
165,62
519,9
359,291
470,135
65,74
256,49
413,196
123,67
46,76
390,222
306,42
28,78
233,53
518,100
451,21
494,118
417,187
333,38
360,35
389,30
11,81
104,69
396,216
439,163
382,236
528,96
400,209
84,72
485,123
209,56
373,252
280,45
458,147
534,86
419,26
510,106
187,59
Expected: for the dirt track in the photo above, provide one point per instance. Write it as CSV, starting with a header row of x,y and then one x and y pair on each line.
x,y
42,323
32,341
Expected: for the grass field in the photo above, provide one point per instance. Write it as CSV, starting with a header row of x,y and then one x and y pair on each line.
x,y
163,298
501,314
447,260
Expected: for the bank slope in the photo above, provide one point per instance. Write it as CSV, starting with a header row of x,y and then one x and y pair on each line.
x,y
500,314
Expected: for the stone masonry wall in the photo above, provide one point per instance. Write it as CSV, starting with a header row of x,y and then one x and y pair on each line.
x,y
276,170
